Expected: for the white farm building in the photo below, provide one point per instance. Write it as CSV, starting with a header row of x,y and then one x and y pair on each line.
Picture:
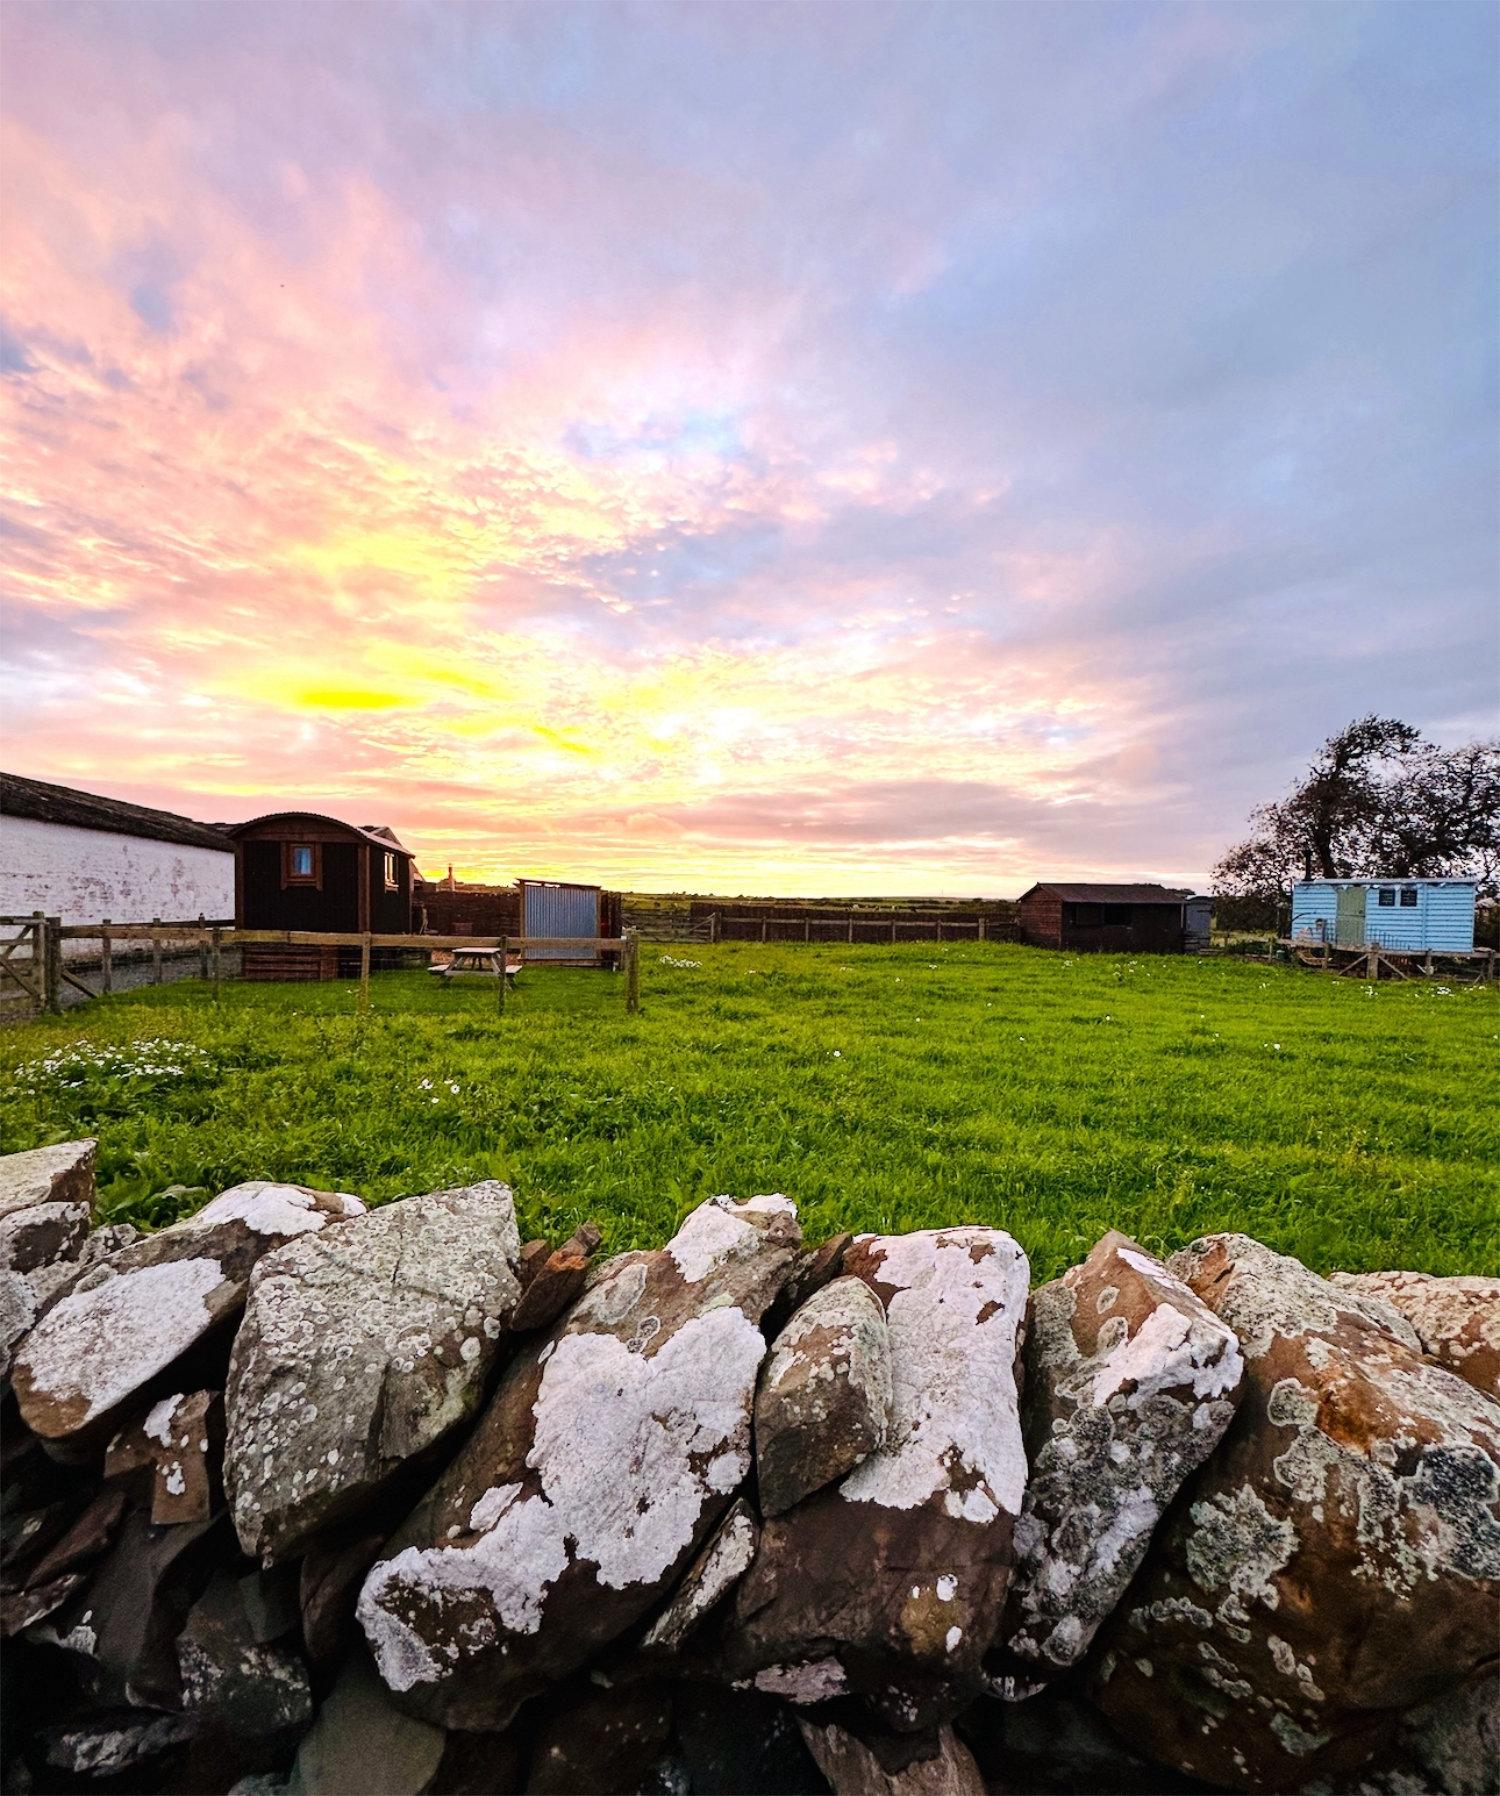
x,y
83,858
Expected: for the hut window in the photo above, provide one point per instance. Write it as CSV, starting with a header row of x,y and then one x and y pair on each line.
x,y
301,864
1408,897
1387,897
391,882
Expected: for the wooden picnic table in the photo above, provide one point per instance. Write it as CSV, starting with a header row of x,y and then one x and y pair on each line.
x,y
477,960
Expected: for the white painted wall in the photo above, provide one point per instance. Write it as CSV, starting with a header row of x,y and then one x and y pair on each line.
x,y
85,875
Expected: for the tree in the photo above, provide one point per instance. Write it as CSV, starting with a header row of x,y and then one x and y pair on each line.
x,y
1378,800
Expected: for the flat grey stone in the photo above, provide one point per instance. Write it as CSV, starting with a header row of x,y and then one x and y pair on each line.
x,y
825,1397
359,1349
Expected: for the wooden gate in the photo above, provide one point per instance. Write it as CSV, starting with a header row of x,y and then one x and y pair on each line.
x,y
23,964
1349,926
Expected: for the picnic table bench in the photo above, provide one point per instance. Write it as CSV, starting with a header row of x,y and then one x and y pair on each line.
x,y
477,960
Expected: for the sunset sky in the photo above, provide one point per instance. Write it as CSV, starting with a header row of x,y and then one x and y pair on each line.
x,y
771,448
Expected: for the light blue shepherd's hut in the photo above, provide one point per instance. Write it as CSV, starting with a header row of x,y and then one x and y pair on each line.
x,y
1402,914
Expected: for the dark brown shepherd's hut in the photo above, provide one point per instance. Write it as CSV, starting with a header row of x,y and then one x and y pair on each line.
x,y
299,870
1129,919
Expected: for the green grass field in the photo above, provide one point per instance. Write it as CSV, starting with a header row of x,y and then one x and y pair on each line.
x,y
1054,1096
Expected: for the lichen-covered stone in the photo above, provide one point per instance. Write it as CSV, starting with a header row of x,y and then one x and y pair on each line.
x,y
106,1745
359,1349
253,1689
1447,1747
708,1580
607,1455
825,1396
1336,1561
1131,1381
127,1321
938,1764
121,1630
46,1203
890,1584
179,1442
1457,1320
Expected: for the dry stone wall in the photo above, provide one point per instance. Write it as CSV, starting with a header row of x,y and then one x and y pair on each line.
x,y
300,1497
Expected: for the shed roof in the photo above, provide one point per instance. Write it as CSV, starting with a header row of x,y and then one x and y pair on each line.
x,y
46,803
377,833
1388,879
1105,894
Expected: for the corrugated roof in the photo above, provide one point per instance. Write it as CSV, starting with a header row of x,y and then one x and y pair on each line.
x,y
45,803
1088,894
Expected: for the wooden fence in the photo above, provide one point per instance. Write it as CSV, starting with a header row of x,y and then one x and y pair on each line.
x,y
854,928
40,974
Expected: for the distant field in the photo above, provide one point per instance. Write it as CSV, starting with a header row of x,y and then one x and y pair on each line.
x,y
883,1088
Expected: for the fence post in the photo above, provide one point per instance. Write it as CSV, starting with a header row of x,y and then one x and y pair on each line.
x,y
106,959
54,965
851,930
807,930
202,946
504,957
632,974
364,971
982,935
764,928
214,960
893,935
156,950
713,927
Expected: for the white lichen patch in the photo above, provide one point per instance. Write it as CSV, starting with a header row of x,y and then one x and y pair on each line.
x,y
816,1681
270,1209
158,1423
95,1347
954,1320
662,1416
1237,1545
718,1232
1174,1349
1269,1296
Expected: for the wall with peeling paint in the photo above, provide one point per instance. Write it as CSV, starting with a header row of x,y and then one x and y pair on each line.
x,y
85,875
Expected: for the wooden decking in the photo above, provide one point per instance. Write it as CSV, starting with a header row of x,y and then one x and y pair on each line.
x,y
1372,961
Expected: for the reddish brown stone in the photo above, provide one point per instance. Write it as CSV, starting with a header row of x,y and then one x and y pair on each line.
x,y
553,1286
330,1575
360,1350
84,1541
1336,1561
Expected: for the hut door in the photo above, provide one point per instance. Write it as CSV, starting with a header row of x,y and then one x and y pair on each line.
x,y
1349,930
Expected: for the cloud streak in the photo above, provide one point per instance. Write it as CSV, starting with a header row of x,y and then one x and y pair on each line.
x,y
838,448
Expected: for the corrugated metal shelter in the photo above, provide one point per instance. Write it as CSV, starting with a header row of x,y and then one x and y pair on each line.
x,y
1109,919
1401,914
557,907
